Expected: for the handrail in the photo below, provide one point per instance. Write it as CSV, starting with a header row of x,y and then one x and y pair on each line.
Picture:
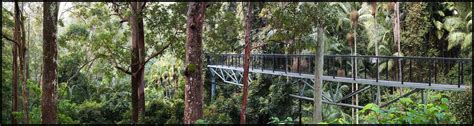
x,y
362,56
428,68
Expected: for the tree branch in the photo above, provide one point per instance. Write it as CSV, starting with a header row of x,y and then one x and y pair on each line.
x,y
120,68
77,72
70,9
116,8
152,56
123,70
9,39
157,53
117,66
8,12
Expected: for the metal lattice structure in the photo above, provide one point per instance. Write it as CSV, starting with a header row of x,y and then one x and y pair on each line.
x,y
374,71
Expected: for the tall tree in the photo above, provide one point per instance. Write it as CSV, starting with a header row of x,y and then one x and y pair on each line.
x,y
16,37
22,53
396,26
15,82
396,34
318,74
354,22
50,54
248,21
193,72
138,58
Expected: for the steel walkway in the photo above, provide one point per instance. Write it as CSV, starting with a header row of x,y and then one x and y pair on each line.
x,y
416,73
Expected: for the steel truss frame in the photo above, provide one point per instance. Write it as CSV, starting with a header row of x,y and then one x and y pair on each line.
x,y
235,77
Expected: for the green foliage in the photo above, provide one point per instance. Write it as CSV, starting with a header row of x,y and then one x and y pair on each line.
x,y
200,121
332,113
222,29
6,82
99,93
90,112
408,112
378,32
280,102
461,105
164,91
413,34
166,24
258,100
453,27
269,97
276,120
164,111
223,111
455,39
191,68
67,112
35,115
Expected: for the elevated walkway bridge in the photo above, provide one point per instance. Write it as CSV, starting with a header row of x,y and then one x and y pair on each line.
x,y
416,73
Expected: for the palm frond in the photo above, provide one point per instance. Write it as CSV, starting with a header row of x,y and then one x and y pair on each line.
x,y
467,41
453,23
455,39
375,31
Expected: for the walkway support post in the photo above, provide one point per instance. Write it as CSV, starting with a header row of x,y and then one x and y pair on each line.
x,y
213,86
318,73
213,77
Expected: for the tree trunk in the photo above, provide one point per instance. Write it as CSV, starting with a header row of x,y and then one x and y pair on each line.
x,y
49,81
318,74
398,40
16,36
138,58
247,52
396,27
377,96
194,83
396,34
354,74
354,86
22,55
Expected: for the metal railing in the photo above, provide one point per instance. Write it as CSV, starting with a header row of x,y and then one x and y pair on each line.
x,y
429,70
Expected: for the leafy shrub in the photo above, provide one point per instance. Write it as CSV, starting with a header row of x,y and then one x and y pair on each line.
x,y
276,120
461,105
91,112
67,112
223,110
408,113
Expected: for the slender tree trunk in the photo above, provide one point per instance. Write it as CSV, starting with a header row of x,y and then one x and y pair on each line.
x,y
27,52
398,40
49,81
318,74
27,70
193,72
17,52
354,21
377,98
354,67
15,76
396,27
354,86
22,52
247,52
396,34
138,58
